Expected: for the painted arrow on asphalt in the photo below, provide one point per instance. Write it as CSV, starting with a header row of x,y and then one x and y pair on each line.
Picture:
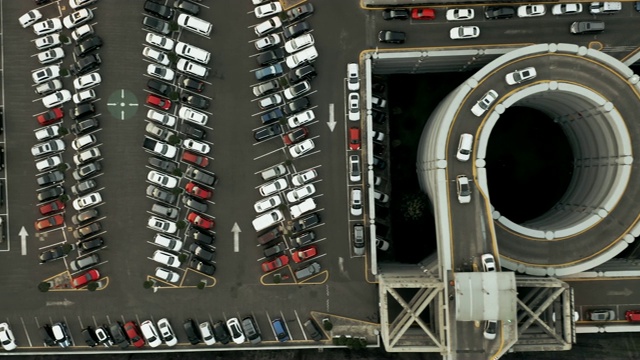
x,y
236,237
625,292
332,122
23,240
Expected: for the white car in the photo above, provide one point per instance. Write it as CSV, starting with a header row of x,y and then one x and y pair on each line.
x,y
191,68
302,148
77,18
162,179
162,225
296,90
150,333
354,168
7,339
566,9
48,132
193,116
48,163
207,333
87,81
301,118
302,208
158,56
304,177
84,96
29,18
354,106
160,72
166,331
269,101
81,32
46,73
463,189
267,204
531,10
267,42
464,32
196,146
490,329
460,14
74,4
302,57
488,262
265,220
301,42
160,41
234,325
353,77
51,55
519,76
267,26
300,193
273,187
48,147
267,9
484,103
161,118
356,202
166,258
48,41
57,98
83,142
47,26
87,201
464,147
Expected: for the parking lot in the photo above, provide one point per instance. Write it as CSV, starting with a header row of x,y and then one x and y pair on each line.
x,y
238,286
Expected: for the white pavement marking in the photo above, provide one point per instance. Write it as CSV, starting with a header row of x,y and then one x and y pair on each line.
x,y
332,121
23,240
236,237
300,324
26,332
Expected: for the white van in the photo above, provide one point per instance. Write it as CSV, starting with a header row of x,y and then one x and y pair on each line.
x,y
194,24
464,147
167,242
191,68
192,52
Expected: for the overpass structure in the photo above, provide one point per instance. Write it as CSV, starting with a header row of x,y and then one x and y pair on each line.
x,y
440,304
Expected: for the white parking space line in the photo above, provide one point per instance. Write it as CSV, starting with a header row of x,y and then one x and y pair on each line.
x,y
26,333
300,324
266,154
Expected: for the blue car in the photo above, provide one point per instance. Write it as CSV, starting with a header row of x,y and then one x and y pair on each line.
x,y
280,330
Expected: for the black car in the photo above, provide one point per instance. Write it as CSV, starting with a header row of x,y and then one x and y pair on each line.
x,y
379,163
159,87
118,335
157,25
88,230
47,335
296,29
83,187
299,12
192,331
187,7
499,12
158,9
50,193
202,252
84,126
86,64
306,222
191,84
395,14
194,204
50,178
52,254
89,336
303,239
164,165
221,332
296,105
271,56
379,117
267,132
271,116
202,267
82,110
306,72
87,46
392,37
91,244
194,100
201,237
192,131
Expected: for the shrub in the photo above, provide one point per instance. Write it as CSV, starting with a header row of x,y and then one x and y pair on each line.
x,y
147,284
44,286
326,323
92,286
201,285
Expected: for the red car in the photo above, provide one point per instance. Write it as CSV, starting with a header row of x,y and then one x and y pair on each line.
x,y
50,116
304,253
195,190
51,207
133,332
295,135
201,221
276,263
158,101
82,280
423,14
51,221
354,138
195,159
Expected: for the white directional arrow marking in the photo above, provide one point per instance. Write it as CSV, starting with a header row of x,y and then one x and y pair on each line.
x,y
236,237
23,240
332,121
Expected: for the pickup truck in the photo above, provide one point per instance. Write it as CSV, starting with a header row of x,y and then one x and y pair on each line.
x,y
160,148
161,133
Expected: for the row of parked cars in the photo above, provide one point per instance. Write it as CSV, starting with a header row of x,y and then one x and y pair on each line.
x,y
182,137
48,152
279,97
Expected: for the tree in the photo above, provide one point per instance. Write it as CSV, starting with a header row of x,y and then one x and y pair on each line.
x,y
93,286
44,286
413,206
147,284
202,284
326,323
